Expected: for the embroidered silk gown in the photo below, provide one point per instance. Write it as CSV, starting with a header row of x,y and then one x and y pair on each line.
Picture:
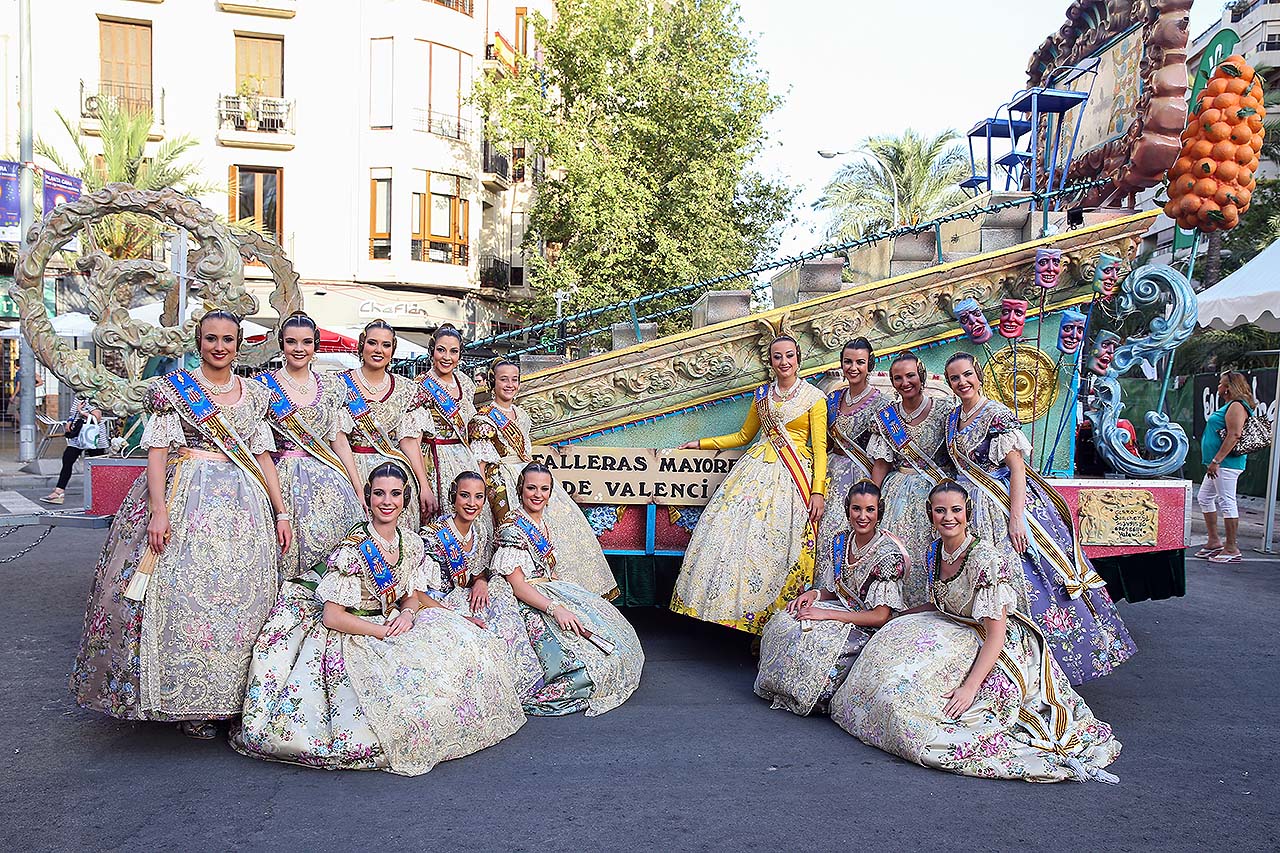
x,y
182,652
317,493
504,441
324,698
906,489
458,568
387,419
440,419
752,550
847,437
576,675
802,663
1085,633
893,697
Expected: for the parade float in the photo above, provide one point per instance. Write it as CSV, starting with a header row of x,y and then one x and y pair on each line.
x,y
1050,245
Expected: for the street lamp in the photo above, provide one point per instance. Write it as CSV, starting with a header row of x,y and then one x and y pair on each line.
x,y
866,152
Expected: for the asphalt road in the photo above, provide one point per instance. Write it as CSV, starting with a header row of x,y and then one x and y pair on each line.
x,y
694,761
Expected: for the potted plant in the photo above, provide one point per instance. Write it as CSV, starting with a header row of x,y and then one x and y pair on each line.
x,y
250,89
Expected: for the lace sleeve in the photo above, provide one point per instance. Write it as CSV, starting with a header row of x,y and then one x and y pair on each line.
x,y
994,588
879,447
511,553
1005,442
262,440
342,422
415,422
885,584
425,574
341,581
163,431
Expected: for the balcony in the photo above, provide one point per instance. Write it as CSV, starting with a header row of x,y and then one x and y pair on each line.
x,y
495,274
438,252
1271,44
448,125
495,170
466,7
499,56
128,98
266,8
255,121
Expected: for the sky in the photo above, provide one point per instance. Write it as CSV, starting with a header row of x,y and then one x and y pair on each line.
x,y
849,69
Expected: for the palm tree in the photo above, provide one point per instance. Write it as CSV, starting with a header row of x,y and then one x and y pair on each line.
x,y
927,171
124,159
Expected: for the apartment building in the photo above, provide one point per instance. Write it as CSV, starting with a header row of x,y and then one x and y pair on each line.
x,y
344,128
1250,28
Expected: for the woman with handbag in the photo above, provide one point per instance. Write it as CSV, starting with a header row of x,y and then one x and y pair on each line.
x,y
86,435
1221,451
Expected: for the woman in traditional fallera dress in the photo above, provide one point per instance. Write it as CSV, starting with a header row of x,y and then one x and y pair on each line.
x,y
462,559
1016,509
314,479
189,571
851,421
967,684
437,426
589,654
501,440
753,548
906,447
349,674
370,423
807,649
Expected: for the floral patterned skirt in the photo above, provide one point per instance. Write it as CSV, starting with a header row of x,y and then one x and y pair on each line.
x,y
365,463
800,670
575,674
324,507
579,559
502,619
182,652
1086,633
907,518
842,473
742,561
340,701
893,699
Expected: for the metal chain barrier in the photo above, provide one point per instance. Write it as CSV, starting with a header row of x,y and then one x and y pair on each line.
x,y
27,550
792,260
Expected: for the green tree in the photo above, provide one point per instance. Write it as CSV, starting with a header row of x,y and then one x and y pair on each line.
x,y
650,115
124,158
926,169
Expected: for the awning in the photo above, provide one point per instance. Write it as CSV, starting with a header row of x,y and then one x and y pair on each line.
x,y
1251,294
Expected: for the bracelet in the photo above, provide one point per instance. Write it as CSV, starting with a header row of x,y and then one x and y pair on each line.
x,y
411,612
551,609
283,516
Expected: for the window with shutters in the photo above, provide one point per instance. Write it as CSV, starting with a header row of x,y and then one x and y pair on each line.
x,y
258,192
380,214
260,66
125,64
522,30
447,216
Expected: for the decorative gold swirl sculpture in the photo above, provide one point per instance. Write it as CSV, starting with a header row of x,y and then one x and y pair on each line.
x,y
1026,382
111,287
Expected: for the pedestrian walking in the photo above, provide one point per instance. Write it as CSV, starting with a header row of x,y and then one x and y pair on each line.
x,y
86,434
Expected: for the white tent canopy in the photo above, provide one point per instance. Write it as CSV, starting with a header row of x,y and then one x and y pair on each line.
x,y
70,325
1251,294
150,313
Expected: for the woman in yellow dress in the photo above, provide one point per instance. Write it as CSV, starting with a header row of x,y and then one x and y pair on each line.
x,y
753,548
501,440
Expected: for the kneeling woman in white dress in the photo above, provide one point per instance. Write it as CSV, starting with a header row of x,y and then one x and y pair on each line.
x,y
348,674
967,684
807,649
589,654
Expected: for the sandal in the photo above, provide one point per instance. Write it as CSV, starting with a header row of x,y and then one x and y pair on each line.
x,y
199,729
1208,551
1226,558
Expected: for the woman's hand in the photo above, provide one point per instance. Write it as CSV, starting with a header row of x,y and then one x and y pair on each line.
x,y
477,621
401,624
567,621
479,595
803,600
959,700
158,530
428,504
817,614
817,503
690,445
1018,532
284,534
1212,471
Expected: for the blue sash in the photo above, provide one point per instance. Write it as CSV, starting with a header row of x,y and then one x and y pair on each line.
x,y
893,426
281,405
356,403
453,553
447,406
199,406
544,548
837,555
207,417
833,405
380,571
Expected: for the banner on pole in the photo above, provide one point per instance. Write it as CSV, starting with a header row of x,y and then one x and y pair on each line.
x,y
10,215
60,189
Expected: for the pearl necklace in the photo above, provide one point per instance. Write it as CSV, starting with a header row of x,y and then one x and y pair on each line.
x,y
304,389
854,551
849,402
211,387
444,383
952,556
966,414
783,396
915,413
465,541
375,390
387,546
